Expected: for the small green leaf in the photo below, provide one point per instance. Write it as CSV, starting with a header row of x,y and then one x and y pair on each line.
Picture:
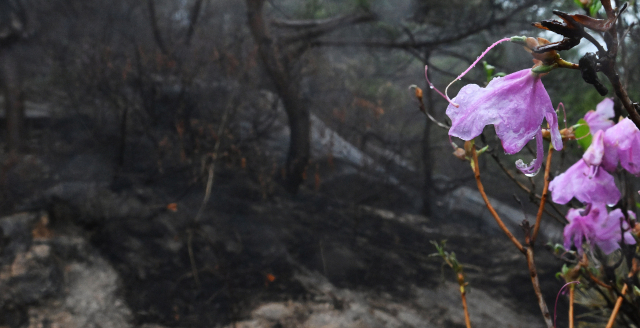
x,y
543,69
565,269
636,290
595,6
482,150
488,70
583,134
579,3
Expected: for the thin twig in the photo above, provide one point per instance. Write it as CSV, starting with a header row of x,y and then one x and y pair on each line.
x,y
597,281
616,308
423,109
528,191
192,258
212,165
543,198
528,251
463,295
571,299
476,171
536,287
609,67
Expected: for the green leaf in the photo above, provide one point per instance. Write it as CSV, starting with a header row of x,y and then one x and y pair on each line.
x,y
543,68
583,134
638,205
488,70
579,3
595,6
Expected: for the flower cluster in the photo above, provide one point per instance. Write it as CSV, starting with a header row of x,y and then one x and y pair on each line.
x,y
589,181
516,105
597,227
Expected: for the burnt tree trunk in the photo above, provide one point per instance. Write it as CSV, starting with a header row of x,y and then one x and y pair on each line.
x,y
427,158
287,89
13,101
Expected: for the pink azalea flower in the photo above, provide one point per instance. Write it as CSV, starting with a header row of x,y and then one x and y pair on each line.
x,y
597,228
600,119
585,180
516,105
583,226
610,235
622,144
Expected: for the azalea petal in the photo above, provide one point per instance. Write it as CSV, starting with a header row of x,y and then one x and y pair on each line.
x,y
624,137
595,152
515,104
552,120
562,186
601,118
579,182
607,246
534,167
605,108
585,226
601,188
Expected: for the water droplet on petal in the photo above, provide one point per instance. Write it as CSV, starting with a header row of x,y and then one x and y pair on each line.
x,y
431,87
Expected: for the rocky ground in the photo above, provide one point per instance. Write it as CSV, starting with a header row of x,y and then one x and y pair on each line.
x,y
88,253
85,243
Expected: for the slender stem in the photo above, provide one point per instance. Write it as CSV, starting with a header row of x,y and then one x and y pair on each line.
x,y
476,171
598,281
609,67
536,287
571,299
463,295
528,191
527,251
634,269
543,199
192,259
616,308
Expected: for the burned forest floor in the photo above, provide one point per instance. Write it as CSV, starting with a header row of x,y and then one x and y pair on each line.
x,y
87,245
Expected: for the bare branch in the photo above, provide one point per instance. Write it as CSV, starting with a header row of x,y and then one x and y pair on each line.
x,y
318,28
154,27
193,19
425,43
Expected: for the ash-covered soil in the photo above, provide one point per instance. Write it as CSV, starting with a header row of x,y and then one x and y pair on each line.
x,y
284,261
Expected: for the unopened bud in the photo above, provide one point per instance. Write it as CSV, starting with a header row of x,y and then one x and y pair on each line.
x,y
460,154
519,40
418,93
531,43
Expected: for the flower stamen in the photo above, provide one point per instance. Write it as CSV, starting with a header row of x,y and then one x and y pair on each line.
x,y
555,310
480,57
434,88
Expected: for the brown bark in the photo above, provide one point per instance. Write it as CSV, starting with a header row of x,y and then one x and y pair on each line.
x,y
287,89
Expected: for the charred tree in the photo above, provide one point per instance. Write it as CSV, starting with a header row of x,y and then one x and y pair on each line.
x,y
12,28
287,89
279,55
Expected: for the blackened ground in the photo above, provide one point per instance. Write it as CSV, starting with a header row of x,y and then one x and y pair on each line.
x,y
246,251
